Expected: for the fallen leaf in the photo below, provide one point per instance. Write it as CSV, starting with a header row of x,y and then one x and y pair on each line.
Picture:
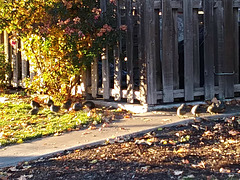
x,y
233,133
93,161
177,173
222,170
91,128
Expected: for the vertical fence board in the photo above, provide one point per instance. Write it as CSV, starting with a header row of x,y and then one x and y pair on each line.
x,y
228,48
150,49
219,42
175,50
94,77
15,65
105,74
142,55
188,49
7,53
129,43
158,55
24,64
236,44
117,73
196,54
208,50
167,61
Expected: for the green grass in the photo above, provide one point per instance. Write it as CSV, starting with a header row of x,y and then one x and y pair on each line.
x,y
17,126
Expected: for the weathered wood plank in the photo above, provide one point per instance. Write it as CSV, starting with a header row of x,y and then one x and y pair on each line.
x,y
158,65
15,65
142,55
236,3
188,49
219,49
7,53
167,61
208,50
94,77
105,74
236,44
117,73
129,44
176,4
196,54
24,64
150,49
228,48
175,50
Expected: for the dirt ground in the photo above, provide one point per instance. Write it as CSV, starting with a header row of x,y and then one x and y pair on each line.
x,y
205,149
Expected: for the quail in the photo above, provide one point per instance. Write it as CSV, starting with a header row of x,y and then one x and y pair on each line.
x,y
34,111
221,107
35,104
77,106
212,109
54,108
67,104
89,104
181,110
50,102
196,110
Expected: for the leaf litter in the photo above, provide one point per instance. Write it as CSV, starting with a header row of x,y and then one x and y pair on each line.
x,y
209,149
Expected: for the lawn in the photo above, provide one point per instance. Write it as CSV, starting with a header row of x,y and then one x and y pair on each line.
x,y
17,125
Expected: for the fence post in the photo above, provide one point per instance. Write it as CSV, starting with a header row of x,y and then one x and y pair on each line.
x,y
167,61
219,49
94,77
228,48
117,73
24,63
236,43
188,50
105,74
142,54
7,54
129,21
208,50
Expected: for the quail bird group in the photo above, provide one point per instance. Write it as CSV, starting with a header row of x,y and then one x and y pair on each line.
x,y
66,105
34,111
77,106
35,104
89,104
54,108
196,110
218,107
181,111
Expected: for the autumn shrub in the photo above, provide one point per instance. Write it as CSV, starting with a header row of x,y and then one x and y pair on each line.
x,y
60,38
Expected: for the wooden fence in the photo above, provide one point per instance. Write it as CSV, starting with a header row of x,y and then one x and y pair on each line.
x,y
173,50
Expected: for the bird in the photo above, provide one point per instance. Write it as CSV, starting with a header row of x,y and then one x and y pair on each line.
x,y
181,110
34,111
221,106
214,108
89,104
196,110
35,104
54,108
50,102
77,106
67,104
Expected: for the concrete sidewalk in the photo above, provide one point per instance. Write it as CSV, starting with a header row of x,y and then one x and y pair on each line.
x,y
139,123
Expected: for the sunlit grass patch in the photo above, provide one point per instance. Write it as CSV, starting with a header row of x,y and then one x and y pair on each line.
x,y
17,125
